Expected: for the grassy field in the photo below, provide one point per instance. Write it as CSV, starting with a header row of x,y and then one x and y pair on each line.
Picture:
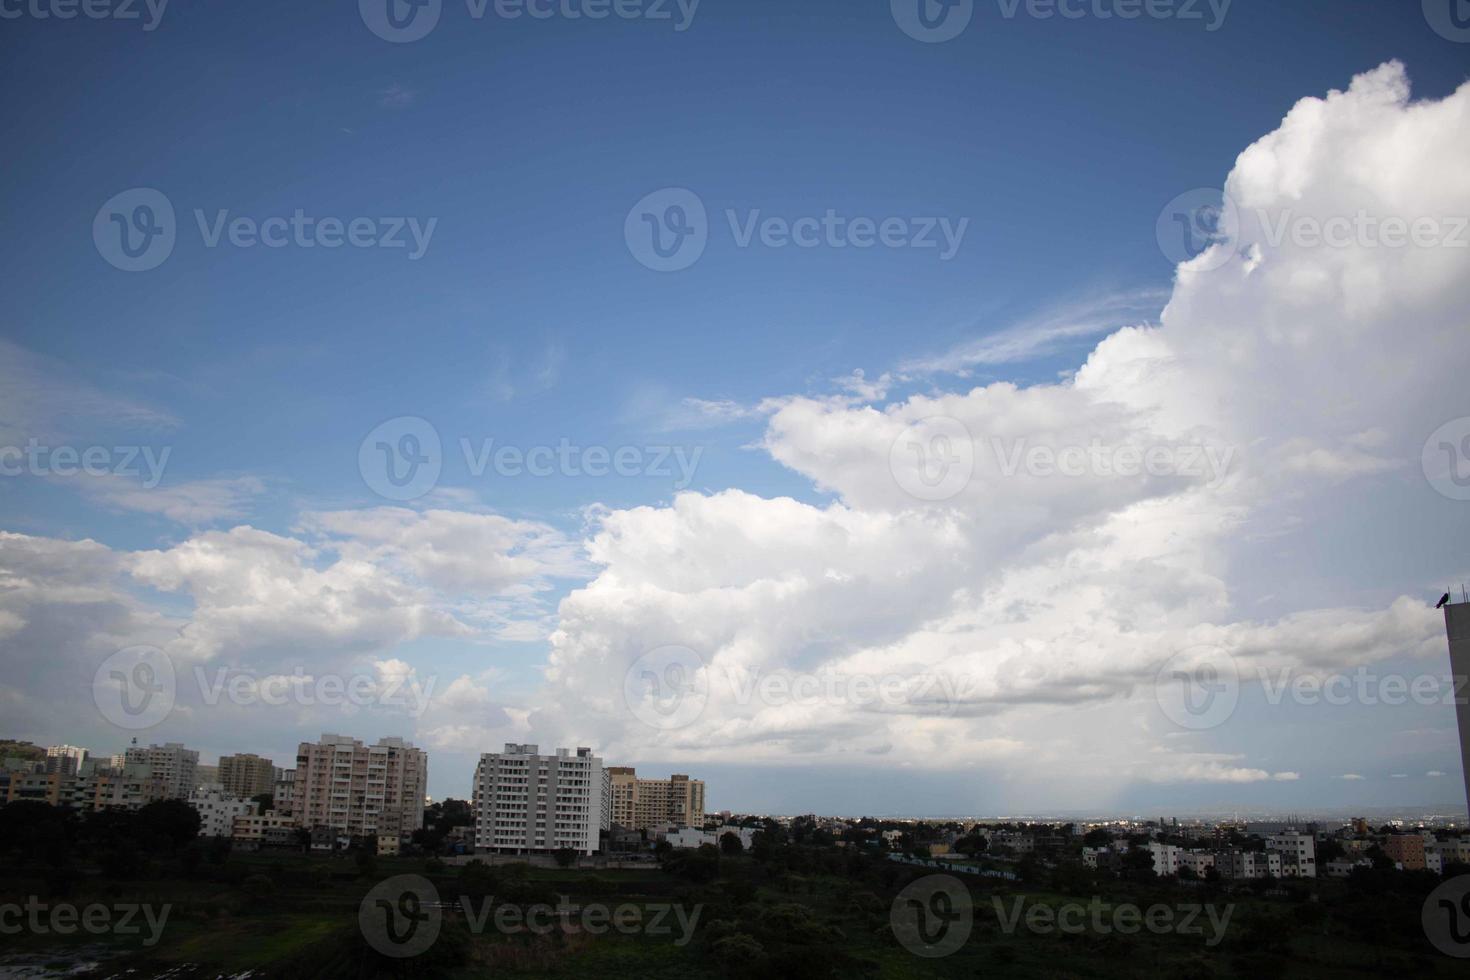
x,y
290,916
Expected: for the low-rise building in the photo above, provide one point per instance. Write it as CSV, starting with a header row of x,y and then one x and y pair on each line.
x,y
218,811
1200,862
1166,858
1298,853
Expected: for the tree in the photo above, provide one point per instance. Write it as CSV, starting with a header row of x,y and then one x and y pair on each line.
x,y
730,844
172,821
565,857
971,844
264,802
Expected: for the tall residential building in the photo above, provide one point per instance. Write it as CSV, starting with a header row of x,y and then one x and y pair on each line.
x,y
170,764
525,802
247,775
1457,628
206,775
65,759
361,790
644,804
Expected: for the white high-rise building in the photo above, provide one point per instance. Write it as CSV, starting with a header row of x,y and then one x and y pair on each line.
x,y
526,803
65,759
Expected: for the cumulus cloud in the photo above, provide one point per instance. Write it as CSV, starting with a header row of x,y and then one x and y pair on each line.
x,y
1107,520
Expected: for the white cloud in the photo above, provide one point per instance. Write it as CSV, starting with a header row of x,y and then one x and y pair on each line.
x,y
193,503
1030,590
1043,333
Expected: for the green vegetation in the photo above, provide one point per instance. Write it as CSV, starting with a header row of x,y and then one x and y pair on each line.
x,y
788,908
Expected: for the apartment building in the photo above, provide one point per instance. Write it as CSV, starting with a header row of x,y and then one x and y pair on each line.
x,y
65,759
56,788
253,829
1166,857
1298,853
525,802
206,775
218,810
647,804
358,789
1248,864
170,764
1200,862
247,775
283,793
1406,849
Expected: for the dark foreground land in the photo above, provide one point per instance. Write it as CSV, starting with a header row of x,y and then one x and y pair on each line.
x,y
789,910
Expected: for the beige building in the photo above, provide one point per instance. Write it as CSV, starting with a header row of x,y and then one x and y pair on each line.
x,y
361,790
246,775
645,804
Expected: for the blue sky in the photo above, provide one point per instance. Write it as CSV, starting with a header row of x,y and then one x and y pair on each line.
x,y
528,321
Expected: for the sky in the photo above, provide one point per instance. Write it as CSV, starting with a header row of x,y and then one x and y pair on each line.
x,y
866,407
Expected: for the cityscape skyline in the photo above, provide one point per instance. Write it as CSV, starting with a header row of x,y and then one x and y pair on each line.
x,y
989,429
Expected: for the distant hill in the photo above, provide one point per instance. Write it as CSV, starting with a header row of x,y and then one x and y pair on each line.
x,y
21,750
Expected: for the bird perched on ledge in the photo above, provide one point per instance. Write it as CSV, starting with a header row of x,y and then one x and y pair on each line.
x,y
1443,600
